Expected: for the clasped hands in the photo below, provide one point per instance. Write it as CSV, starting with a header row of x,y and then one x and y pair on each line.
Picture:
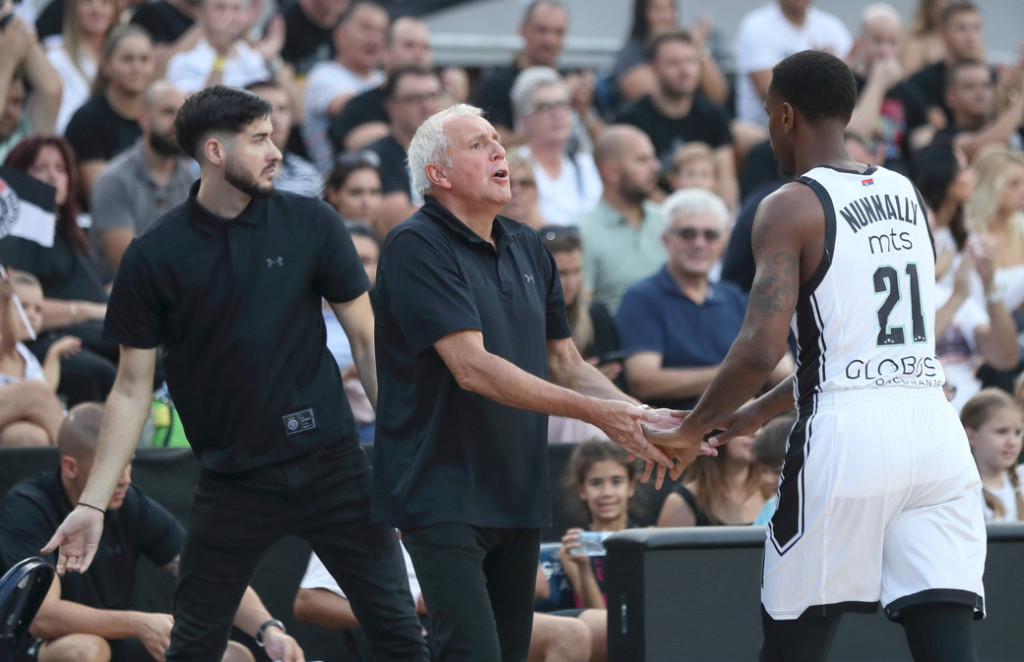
x,y
676,435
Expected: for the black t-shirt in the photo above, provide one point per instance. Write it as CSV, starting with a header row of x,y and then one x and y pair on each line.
x,y
930,84
705,123
97,133
305,43
164,23
493,96
236,303
606,334
35,507
64,272
738,261
444,454
394,176
51,20
361,109
903,110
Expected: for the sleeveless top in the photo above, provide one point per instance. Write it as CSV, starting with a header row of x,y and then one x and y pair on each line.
x,y
866,317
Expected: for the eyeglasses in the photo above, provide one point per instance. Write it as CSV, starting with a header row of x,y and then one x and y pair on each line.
x,y
691,234
548,106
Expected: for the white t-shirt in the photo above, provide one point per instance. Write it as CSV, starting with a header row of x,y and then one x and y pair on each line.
x,y
189,70
1008,496
317,576
77,87
576,190
326,82
33,370
765,38
957,349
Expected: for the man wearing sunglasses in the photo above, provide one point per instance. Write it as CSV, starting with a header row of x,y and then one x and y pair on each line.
x,y
677,325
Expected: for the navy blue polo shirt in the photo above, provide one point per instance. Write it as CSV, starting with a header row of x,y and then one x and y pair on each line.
x,y
236,303
443,454
655,316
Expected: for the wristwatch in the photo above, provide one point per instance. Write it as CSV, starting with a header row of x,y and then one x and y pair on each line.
x,y
271,623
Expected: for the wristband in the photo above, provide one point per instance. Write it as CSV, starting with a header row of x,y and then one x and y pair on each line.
x,y
266,624
89,505
995,295
218,63
73,309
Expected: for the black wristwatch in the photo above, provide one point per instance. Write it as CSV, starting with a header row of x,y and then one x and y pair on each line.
x,y
271,623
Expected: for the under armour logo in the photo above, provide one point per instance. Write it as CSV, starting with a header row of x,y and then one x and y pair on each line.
x,y
528,278
275,262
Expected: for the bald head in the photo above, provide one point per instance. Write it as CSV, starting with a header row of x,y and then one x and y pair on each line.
x,y
80,431
611,145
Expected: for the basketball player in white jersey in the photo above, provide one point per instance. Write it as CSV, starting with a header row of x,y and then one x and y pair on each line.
x,y
880,501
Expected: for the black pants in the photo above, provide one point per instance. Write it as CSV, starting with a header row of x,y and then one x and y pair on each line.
x,y
478,586
323,498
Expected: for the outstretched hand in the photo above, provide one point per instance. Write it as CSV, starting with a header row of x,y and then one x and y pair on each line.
x,y
78,538
621,421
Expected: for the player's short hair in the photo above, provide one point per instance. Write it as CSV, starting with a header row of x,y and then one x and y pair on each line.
x,y
217,109
430,144
819,85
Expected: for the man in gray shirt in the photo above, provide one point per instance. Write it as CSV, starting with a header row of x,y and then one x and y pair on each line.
x,y
138,186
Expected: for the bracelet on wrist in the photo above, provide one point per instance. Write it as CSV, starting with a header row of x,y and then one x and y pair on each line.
x,y
218,63
73,310
89,505
995,295
273,622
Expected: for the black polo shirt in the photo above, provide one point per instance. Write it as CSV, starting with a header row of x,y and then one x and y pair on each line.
x,y
35,507
443,454
236,303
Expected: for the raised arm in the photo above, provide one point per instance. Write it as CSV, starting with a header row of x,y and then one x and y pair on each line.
x,y
126,411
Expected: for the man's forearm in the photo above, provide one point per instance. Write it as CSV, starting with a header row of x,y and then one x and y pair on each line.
x,y
670,383
745,369
251,613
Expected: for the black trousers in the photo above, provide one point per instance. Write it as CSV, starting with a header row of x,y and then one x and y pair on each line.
x,y
478,586
323,498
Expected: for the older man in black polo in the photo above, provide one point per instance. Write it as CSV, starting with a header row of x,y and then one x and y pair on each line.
x,y
231,284
473,350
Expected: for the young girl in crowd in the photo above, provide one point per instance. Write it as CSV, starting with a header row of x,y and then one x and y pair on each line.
x,y
994,422
353,189
723,489
602,482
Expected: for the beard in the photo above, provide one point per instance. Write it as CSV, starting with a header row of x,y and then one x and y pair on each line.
x,y
246,182
163,145
635,194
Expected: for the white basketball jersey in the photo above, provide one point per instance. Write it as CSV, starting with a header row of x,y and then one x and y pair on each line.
x,y
866,318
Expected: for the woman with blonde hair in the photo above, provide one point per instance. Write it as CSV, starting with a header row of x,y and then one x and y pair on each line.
x,y
76,53
923,45
993,422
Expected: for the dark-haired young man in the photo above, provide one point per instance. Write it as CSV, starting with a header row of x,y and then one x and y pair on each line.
x,y
230,283
887,507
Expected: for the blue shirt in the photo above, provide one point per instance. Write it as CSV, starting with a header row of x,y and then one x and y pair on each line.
x,y
655,316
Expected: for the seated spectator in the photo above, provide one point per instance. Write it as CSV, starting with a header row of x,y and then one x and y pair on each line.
x,y
769,450
320,601
889,114
693,166
960,27
567,180
994,422
593,329
172,26
76,53
222,56
768,34
924,45
677,325
359,40
633,76
601,482
88,616
24,67
353,189
364,118
144,182
725,489
22,423
946,182
309,28
543,30
70,273
976,122
295,174
673,114
411,95
622,234
524,205
108,124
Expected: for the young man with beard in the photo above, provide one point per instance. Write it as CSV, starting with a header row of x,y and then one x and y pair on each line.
x,y
144,182
230,284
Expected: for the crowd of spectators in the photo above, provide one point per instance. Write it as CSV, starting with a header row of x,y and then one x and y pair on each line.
x,y
642,178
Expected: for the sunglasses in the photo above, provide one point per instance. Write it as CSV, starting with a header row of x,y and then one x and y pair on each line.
x,y
690,234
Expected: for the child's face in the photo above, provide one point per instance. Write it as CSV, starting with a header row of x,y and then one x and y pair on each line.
x,y
997,443
699,174
606,490
31,297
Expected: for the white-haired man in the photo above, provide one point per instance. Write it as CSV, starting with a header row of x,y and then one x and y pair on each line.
x,y
473,350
